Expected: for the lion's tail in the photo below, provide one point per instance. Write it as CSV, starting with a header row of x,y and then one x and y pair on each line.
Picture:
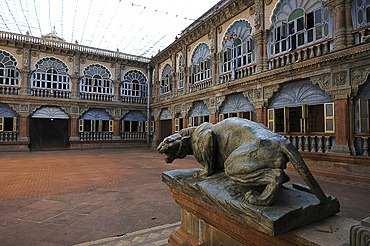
x,y
301,167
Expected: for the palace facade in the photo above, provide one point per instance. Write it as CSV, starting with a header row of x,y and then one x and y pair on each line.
x,y
55,94
301,67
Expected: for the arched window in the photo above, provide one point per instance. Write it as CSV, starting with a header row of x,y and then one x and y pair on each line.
x,y
201,65
9,74
360,13
134,84
298,24
180,73
166,80
96,80
238,48
52,75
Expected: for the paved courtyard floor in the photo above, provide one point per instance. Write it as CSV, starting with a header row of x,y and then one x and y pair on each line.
x,y
106,197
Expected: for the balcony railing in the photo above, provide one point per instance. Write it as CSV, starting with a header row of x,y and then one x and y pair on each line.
x,y
314,143
96,136
76,47
200,86
133,135
8,136
48,93
295,56
9,90
362,144
96,97
137,100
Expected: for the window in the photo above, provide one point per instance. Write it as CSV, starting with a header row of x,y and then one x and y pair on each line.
x,y
299,28
180,74
360,13
96,80
178,122
51,74
8,124
134,84
303,119
166,80
136,126
238,48
201,65
364,115
244,115
9,74
198,120
95,125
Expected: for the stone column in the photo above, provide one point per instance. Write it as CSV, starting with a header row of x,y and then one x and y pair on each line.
x,y
116,130
24,128
116,95
341,116
74,129
261,115
185,122
25,82
348,10
340,32
75,87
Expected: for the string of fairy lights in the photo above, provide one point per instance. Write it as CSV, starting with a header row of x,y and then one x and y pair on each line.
x,y
140,28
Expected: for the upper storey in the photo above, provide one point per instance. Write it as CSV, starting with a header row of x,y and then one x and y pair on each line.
x,y
236,39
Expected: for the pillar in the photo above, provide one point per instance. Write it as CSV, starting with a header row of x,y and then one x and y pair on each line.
x,y
75,87
348,10
339,27
25,78
214,118
342,120
261,40
116,130
185,122
74,130
261,115
23,129
116,92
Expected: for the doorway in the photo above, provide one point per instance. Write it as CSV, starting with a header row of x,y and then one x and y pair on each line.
x,y
165,129
48,134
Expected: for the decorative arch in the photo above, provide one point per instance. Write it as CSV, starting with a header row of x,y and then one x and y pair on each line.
x,y
134,84
9,74
96,114
294,94
165,114
238,47
134,115
166,83
298,23
199,109
236,103
51,74
50,113
96,80
201,64
6,111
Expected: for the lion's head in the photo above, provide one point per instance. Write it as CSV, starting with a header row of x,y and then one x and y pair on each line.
x,y
175,146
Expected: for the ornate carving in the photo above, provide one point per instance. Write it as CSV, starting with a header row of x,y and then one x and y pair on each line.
x,y
185,109
26,58
35,53
156,113
77,65
249,94
359,76
269,91
324,81
214,103
19,52
268,2
257,17
340,78
83,110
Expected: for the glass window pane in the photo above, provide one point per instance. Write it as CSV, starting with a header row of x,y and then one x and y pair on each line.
x,y
300,24
364,124
329,110
363,107
310,36
329,125
368,14
326,29
360,16
318,16
310,20
300,39
318,32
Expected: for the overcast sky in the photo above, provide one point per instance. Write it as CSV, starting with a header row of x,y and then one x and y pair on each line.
x,y
135,27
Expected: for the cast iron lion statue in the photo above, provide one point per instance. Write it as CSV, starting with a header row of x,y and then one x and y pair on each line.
x,y
247,151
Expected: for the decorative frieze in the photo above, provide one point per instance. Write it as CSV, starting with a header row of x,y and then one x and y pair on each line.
x,y
324,81
185,109
214,103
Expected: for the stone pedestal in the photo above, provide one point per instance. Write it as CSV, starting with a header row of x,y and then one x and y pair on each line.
x,y
214,213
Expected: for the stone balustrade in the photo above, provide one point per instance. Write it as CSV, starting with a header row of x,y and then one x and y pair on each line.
x,y
49,93
9,90
96,97
311,143
8,136
362,143
299,55
200,85
133,135
135,100
95,136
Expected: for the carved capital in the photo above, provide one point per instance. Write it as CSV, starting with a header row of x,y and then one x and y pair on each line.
x,y
340,79
185,109
214,103
116,114
156,113
324,81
